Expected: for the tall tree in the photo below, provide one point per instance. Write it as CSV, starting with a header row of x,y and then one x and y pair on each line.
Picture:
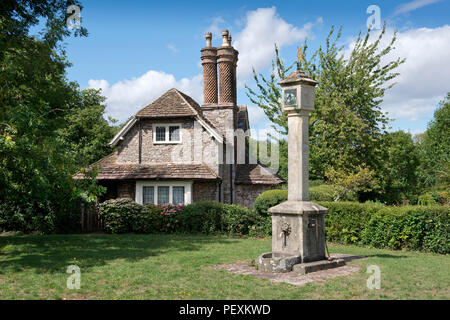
x,y
35,98
87,133
435,147
347,126
400,178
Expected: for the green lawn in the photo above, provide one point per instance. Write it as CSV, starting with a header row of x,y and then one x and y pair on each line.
x,y
176,267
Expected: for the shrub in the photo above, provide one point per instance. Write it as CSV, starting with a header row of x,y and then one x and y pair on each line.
x,y
424,228
271,198
268,199
121,215
241,220
426,200
345,221
201,217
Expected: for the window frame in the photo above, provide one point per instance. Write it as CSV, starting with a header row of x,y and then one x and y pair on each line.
x,y
167,133
155,184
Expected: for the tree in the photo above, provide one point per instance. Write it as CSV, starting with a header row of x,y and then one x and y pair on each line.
x,y
37,191
347,126
87,132
360,180
400,178
435,147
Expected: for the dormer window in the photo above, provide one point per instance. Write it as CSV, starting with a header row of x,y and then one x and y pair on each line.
x,y
166,133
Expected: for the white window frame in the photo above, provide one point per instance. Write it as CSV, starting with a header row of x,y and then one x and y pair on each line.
x,y
166,125
141,184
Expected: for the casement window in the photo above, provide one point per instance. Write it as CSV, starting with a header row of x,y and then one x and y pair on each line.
x,y
166,133
163,192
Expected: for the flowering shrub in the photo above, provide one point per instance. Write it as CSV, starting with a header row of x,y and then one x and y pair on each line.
x,y
170,217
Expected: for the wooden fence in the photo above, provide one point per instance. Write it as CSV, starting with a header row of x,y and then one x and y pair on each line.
x,y
90,219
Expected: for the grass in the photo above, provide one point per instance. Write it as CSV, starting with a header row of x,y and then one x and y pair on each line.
x,y
176,267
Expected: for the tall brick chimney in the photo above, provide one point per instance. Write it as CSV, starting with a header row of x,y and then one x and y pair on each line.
x,y
227,61
209,63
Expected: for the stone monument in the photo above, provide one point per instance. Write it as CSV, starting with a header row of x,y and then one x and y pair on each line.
x,y
298,225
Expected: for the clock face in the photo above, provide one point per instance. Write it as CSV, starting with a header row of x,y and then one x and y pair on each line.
x,y
290,97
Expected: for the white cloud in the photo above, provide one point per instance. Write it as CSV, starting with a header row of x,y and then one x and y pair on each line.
x,y
261,30
255,43
172,48
424,77
413,5
126,97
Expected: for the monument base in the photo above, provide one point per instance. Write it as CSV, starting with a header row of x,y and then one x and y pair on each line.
x,y
282,263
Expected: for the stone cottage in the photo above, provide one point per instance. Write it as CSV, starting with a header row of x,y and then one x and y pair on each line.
x,y
176,151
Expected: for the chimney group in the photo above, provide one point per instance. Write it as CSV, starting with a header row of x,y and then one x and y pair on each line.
x,y
221,90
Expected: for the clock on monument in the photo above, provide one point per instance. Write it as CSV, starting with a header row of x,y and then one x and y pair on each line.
x,y
290,97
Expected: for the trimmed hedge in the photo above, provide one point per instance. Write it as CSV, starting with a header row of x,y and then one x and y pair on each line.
x,y
321,192
424,228
125,215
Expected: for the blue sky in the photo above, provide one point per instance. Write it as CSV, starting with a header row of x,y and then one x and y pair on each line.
x,y
137,50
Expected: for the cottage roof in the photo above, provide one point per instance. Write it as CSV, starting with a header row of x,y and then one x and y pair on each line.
x,y
256,174
172,104
108,169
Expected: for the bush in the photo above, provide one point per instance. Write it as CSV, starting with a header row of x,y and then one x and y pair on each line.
x,y
412,227
345,221
271,198
268,199
426,200
121,215
201,217
425,228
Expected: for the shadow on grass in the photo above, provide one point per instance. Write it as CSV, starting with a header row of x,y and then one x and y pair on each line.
x,y
53,253
386,255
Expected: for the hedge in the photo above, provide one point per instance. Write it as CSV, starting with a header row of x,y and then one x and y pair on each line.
x,y
424,228
321,192
125,215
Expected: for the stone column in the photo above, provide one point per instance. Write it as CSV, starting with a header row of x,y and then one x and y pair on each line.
x,y
298,224
298,153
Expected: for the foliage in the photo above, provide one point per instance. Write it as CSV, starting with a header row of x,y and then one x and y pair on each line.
x,y
426,200
361,180
399,183
345,221
119,215
347,126
435,148
268,199
317,192
411,227
87,133
38,193
208,217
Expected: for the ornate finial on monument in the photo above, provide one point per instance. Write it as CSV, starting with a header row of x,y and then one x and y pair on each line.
x,y
299,57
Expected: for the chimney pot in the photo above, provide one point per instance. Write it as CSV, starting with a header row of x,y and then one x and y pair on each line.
x,y
225,38
208,37
229,40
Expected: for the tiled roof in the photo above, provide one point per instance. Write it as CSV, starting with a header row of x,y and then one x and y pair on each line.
x,y
256,174
110,170
173,103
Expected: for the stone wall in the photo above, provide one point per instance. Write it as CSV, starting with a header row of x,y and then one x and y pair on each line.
x,y
197,146
205,191
246,194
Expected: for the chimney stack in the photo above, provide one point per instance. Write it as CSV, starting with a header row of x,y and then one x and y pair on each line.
x,y
209,63
227,61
